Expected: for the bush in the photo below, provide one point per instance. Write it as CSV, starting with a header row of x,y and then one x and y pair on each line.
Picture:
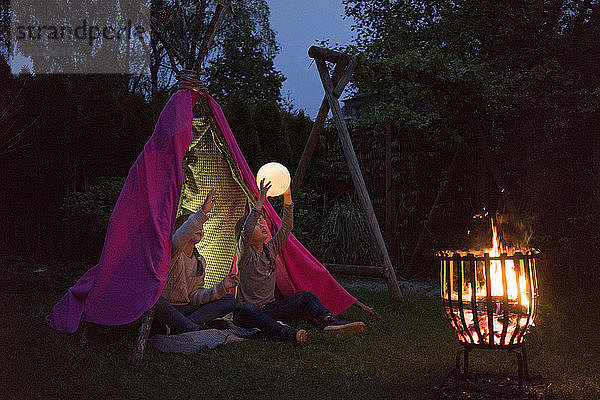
x,y
87,215
345,237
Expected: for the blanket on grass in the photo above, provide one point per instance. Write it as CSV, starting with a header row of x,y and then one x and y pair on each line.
x,y
191,342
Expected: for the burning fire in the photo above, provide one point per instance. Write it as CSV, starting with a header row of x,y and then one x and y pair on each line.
x,y
496,273
511,318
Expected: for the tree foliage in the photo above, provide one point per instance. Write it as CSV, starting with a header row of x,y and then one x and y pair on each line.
x,y
240,59
242,65
76,129
523,74
87,213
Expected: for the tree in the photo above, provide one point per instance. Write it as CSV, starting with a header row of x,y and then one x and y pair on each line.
x,y
243,64
4,28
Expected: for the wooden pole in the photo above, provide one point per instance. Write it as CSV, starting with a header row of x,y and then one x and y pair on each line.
x,y
368,310
173,54
320,53
319,124
357,178
356,270
350,66
142,338
213,27
199,15
309,148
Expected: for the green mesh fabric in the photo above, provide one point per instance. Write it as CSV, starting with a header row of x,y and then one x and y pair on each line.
x,y
207,165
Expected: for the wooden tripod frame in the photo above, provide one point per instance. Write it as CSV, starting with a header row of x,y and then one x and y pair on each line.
x,y
334,85
190,61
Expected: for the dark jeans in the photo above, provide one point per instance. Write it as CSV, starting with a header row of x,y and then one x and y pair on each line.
x,y
188,317
265,318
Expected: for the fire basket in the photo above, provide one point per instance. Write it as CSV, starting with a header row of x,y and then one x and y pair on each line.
x,y
490,299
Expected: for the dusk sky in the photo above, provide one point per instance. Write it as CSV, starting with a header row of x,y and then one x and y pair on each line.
x,y
299,25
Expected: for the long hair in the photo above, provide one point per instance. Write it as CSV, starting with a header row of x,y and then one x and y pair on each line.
x,y
239,226
238,232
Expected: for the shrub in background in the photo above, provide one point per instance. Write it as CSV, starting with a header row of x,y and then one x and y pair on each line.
x,y
87,215
344,237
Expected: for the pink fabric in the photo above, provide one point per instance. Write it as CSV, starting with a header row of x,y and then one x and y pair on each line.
x,y
297,269
134,264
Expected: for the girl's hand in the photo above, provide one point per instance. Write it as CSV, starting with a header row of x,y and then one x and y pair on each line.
x,y
210,201
231,281
263,193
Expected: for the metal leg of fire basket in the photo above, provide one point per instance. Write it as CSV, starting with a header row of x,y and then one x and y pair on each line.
x,y
458,354
522,362
465,368
525,367
461,371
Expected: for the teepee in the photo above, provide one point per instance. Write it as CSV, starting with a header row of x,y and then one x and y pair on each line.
x,y
134,263
191,150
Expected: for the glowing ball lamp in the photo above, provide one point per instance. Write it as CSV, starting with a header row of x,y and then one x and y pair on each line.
x,y
277,174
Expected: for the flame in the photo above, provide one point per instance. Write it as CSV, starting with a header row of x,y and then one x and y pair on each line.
x,y
511,275
496,274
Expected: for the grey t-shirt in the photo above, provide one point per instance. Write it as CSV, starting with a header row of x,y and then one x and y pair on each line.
x,y
257,270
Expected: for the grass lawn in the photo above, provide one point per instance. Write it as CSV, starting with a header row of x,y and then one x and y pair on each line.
x,y
405,356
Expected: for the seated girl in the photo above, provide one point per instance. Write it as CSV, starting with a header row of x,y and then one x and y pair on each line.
x,y
256,294
185,305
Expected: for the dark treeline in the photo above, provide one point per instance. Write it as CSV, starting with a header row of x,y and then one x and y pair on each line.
x,y
74,130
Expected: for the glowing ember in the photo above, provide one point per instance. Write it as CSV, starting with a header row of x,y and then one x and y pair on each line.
x,y
505,296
